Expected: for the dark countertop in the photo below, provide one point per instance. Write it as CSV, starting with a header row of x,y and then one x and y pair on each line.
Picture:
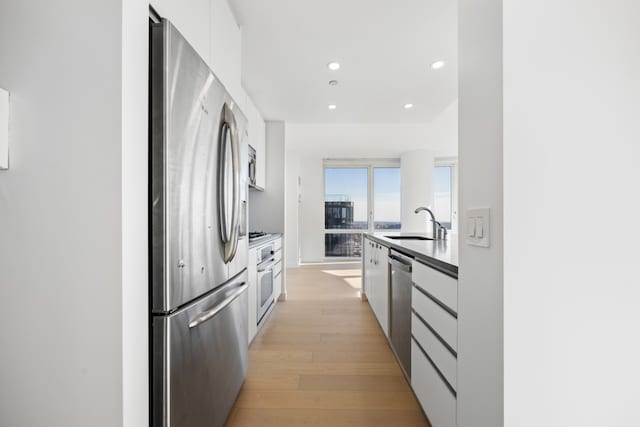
x,y
441,255
262,240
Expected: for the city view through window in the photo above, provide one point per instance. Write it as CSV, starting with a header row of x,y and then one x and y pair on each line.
x,y
347,196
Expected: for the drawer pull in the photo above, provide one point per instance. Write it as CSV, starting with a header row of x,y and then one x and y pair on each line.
x,y
436,300
434,332
444,380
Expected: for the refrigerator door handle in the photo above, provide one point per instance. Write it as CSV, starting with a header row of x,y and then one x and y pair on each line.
x,y
235,149
229,182
209,314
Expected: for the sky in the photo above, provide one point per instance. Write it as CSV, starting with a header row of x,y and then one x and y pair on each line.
x,y
353,182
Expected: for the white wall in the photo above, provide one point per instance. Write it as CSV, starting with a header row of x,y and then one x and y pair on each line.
x,y
416,169
134,184
69,279
311,209
571,150
292,192
480,391
357,140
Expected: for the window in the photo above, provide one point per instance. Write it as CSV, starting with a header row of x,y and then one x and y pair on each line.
x,y
358,196
386,198
444,200
345,198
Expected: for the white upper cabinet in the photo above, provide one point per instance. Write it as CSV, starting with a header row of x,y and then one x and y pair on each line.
x,y
211,28
257,139
192,19
261,151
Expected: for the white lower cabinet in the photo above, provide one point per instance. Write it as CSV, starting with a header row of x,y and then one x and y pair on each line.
x,y
443,322
441,356
278,278
437,400
376,281
277,284
434,344
252,294
434,329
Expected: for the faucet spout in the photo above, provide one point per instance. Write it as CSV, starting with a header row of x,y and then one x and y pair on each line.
x,y
434,226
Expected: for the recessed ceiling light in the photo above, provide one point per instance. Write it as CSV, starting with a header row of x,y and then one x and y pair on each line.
x,y
332,106
437,65
333,66
333,82
407,106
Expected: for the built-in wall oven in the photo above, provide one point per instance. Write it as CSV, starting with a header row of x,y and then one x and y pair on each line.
x,y
268,267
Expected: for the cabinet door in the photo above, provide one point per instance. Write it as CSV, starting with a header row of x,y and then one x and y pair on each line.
x,y
438,285
367,267
379,288
435,397
277,284
261,152
382,285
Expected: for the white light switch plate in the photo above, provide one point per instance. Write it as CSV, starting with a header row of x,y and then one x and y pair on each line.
x,y
480,219
4,129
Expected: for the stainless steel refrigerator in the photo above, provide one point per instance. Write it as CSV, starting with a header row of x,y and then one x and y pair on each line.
x,y
198,239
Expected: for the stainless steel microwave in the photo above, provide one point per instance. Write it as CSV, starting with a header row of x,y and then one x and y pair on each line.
x,y
252,166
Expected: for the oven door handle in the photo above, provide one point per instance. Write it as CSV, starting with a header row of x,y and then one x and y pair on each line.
x,y
268,266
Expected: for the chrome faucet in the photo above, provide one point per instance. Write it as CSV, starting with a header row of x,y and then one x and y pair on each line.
x,y
434,230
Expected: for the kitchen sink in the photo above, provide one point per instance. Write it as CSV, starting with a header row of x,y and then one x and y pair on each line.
x,y
408,237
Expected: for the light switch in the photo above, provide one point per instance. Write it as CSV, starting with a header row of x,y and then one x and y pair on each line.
x,y
479,228
4,129
471,227
480,220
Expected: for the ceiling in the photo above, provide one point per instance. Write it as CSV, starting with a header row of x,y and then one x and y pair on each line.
x,y
385,49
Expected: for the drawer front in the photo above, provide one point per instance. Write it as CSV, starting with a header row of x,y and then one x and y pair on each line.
x,y
277,254
440,355
277,244
277,284
440,286
438,402
277,268
443,322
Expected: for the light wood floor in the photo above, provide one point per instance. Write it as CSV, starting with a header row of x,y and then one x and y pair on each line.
x,y
322,360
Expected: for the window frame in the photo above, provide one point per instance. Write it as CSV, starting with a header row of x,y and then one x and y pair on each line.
x,y
451,162
370,165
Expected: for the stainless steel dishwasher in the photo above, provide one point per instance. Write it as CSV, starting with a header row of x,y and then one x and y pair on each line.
x,y
400,307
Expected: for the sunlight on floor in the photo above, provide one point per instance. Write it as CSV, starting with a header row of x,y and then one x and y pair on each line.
x,y
351,277
344,273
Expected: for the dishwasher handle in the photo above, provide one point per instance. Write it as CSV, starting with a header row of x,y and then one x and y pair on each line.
x,y
400,263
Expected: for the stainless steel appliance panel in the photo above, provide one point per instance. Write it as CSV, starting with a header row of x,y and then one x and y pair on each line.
x,y
252,165
186,107
400,306
265,288
239,261
200,358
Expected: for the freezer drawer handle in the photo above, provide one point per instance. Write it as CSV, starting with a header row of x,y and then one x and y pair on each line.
x,y
203,317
